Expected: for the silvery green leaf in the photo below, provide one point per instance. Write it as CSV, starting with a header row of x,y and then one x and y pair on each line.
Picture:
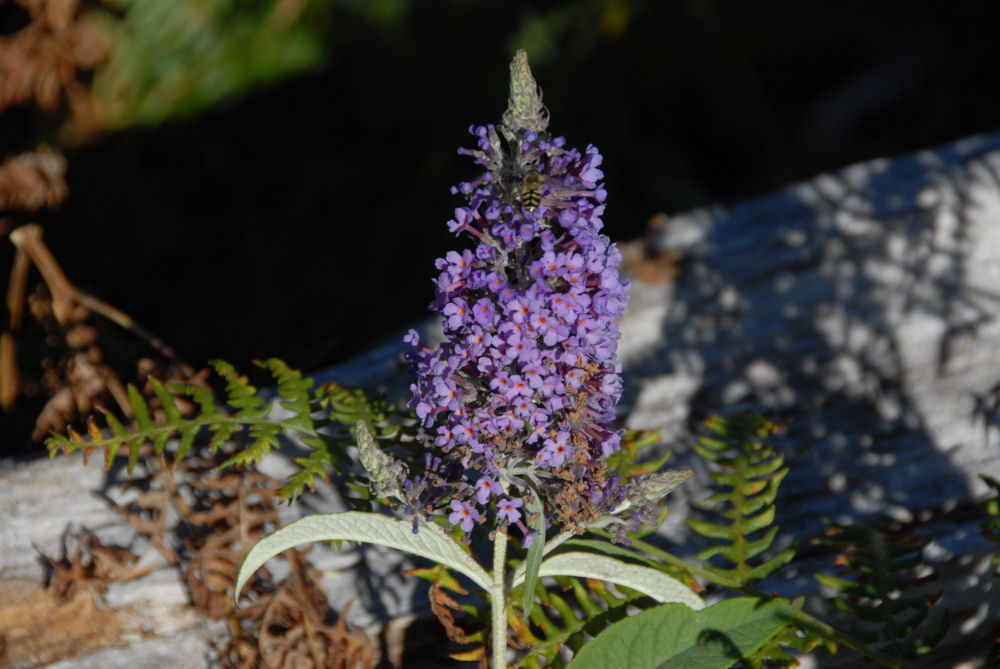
x,y
385,472
430,542
652,582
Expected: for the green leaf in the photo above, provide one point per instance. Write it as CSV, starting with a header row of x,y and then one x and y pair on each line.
x,y
673,636
360,526
536,521
656,584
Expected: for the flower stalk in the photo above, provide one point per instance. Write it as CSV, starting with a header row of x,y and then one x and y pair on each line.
x,y
498,600
518,400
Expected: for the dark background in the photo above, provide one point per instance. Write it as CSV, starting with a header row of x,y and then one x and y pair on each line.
x,y
302,221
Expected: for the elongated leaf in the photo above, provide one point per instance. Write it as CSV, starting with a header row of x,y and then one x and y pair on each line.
x,y
536,520
654,583
372,528
676,637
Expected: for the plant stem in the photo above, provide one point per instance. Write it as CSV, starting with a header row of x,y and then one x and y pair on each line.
x,y
498,600
803,618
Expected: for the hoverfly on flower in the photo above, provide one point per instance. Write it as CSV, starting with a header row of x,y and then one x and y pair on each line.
x,y
531,190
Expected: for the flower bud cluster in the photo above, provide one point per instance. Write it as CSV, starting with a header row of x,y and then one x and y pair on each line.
x,y
521,394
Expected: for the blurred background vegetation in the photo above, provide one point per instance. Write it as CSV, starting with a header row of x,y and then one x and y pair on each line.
x,y
271,177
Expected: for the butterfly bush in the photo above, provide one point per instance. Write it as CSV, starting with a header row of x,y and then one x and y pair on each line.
x,y
518,400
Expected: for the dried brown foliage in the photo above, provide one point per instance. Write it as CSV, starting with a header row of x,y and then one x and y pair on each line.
x,y
643,260
442,605
41,63
34,180
294,632
234,510
92,568
148,513
75,377
221,515
287,624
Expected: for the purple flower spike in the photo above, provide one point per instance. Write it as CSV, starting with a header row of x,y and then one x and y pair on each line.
x,y
521,394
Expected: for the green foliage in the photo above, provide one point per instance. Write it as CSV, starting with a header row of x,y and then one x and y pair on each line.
x,y
991,531
563,614
365,527
533,559
177,58
879,575
750,470
546,617
991,526
594,601
773,653
560,616
319,416
674,635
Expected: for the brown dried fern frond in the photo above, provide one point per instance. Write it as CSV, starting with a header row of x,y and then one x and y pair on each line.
x,y
286,623
76,376
41,63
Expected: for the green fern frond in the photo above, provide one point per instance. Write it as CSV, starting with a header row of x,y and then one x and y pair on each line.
x,y
878,588
145,429
751,472
562,616
321,418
